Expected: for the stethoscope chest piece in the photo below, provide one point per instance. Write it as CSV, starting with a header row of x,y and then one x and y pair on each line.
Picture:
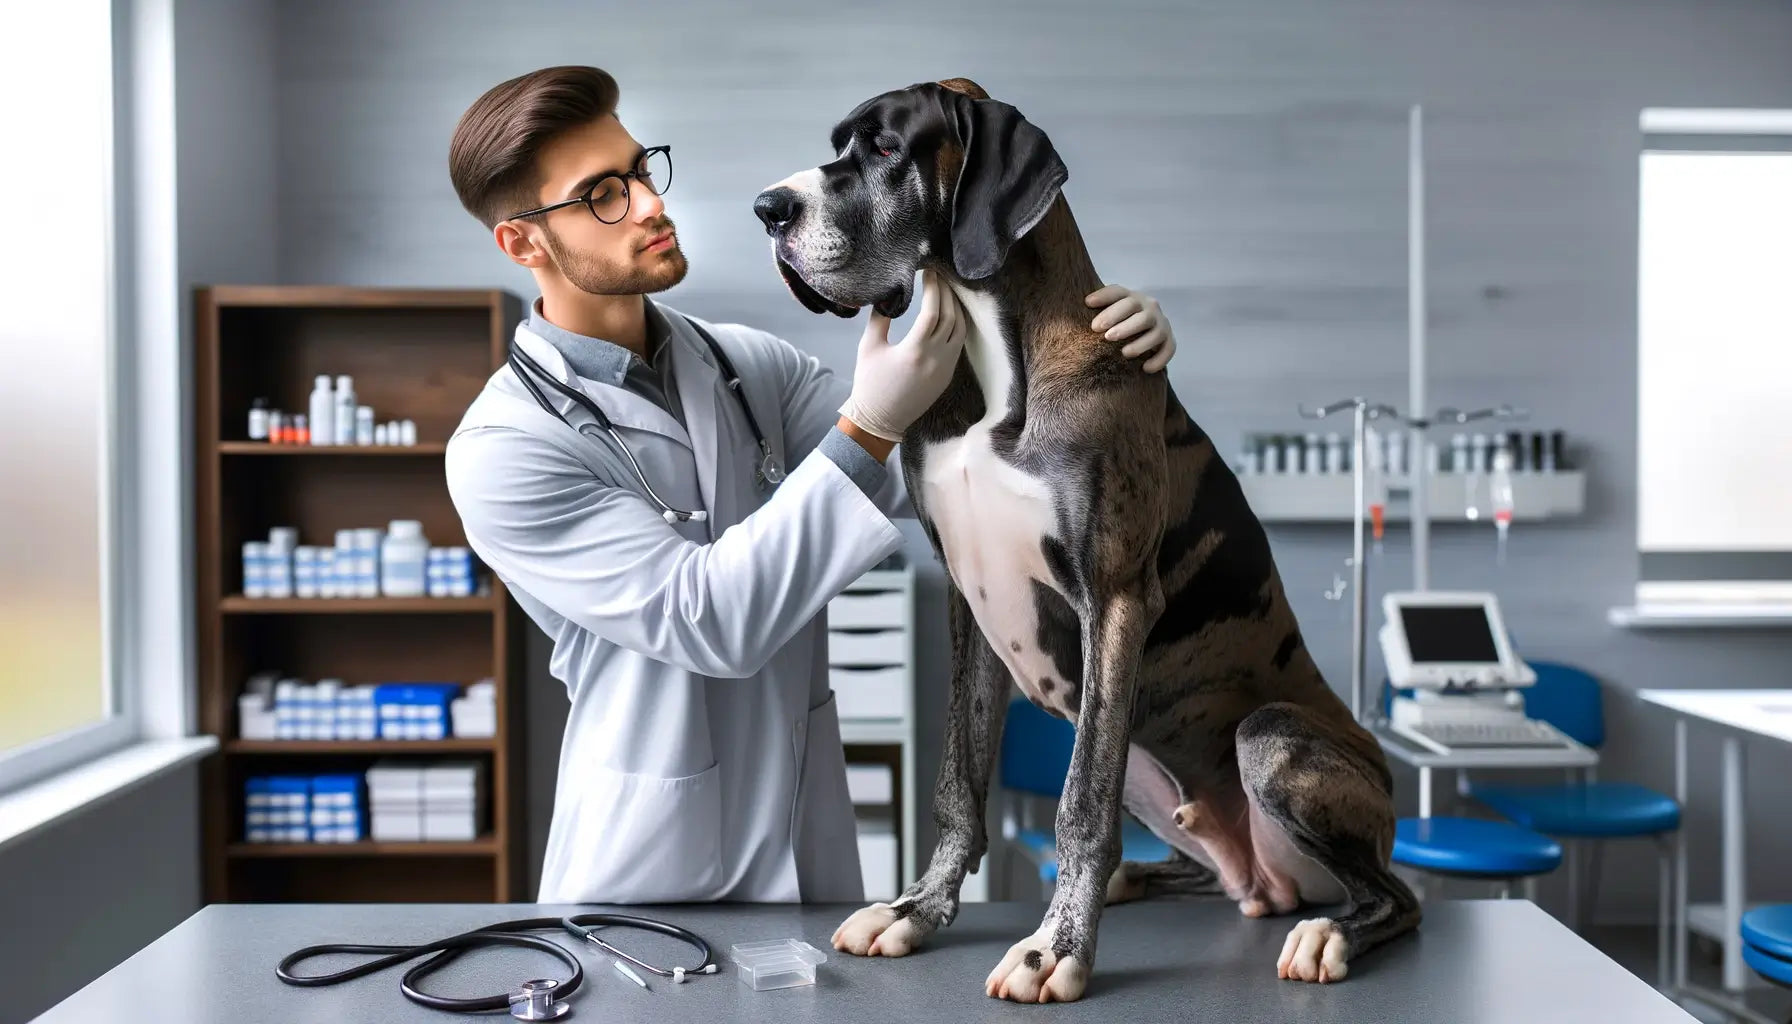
x,y
535,1001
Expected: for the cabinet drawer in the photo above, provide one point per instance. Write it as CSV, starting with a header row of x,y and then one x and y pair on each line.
x,y
870,693
869,611
885,647
870,783
877,863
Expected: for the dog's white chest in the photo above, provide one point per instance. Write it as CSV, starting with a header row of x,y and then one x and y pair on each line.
x,y
992,519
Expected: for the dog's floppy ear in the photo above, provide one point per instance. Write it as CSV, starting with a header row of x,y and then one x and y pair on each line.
x,y
1009,177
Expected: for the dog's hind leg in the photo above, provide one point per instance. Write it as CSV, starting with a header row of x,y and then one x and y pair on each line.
x,y
1177,875
974,719
1054,962
1330,800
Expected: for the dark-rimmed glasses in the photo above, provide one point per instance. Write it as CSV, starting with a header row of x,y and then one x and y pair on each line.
x,y
608,198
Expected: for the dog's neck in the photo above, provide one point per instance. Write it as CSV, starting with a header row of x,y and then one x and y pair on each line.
x,y
1038,295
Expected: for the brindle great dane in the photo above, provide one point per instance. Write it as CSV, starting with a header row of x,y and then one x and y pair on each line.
x,y
1100,555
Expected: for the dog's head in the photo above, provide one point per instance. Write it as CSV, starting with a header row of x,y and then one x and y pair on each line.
x,y
937,173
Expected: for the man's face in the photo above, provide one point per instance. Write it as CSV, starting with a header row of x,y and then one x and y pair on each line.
x,y
637,255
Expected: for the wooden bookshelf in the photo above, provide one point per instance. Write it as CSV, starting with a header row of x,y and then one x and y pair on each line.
x,y
417,354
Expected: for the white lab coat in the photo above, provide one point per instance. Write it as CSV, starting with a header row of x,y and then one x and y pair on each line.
x,y
702,757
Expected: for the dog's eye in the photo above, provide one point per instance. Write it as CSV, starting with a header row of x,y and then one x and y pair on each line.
x,y
887,146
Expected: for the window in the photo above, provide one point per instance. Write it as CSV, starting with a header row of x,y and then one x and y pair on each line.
x,y
59,692
1714,357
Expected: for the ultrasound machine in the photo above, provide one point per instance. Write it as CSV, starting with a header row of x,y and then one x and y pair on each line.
x,y
1451,651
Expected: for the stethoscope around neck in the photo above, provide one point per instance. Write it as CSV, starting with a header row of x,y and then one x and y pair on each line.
x,y
767,472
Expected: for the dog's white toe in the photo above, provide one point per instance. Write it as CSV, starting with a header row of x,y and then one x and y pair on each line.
x,y
877,931
1315,951
1031,973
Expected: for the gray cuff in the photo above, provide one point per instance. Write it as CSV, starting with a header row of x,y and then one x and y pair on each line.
x,y
854,461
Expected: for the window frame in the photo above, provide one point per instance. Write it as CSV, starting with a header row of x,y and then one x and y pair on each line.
x,y
122,724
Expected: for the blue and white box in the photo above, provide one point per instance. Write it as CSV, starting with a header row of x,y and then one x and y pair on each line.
x,y
414,711
257,809
255,568
276,808
304,571
343,563
367,561
324,566
336,809
449,572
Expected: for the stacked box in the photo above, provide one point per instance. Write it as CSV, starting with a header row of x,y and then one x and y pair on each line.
x,y
414,711
440,801
476,714
275,809
336,809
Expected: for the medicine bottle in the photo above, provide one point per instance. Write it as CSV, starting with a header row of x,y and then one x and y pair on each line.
x,y
403,555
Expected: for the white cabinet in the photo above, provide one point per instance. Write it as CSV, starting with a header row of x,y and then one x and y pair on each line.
x,y
871,667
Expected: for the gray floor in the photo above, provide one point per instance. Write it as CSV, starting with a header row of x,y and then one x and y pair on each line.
x,y
1634,948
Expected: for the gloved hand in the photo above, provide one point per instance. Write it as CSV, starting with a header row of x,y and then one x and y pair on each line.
x,y
1133,314
892,385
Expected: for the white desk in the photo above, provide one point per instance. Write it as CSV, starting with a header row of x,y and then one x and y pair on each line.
x,y
1425,759
1737,714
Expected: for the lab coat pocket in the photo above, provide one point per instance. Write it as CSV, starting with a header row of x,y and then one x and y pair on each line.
x,y
825,834
652,839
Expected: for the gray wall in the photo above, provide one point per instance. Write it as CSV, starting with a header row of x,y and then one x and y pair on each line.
x,y
93,889
1242,160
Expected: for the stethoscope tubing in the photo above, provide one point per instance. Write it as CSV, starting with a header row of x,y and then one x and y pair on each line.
x,y
504,933
521,361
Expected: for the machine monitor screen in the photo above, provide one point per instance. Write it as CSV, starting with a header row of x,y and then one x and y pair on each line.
x,y
1458,634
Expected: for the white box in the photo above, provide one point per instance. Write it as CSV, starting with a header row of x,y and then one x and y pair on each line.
x,y
889,647
455,825
869,611
870,783
877,864
870,693
473,718
390,827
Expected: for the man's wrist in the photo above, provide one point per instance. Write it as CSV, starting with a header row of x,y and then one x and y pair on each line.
x,y
875,446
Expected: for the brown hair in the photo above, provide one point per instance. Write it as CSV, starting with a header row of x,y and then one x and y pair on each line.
x,y
491,159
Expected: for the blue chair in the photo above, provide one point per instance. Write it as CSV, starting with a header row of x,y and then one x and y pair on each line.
x,y
1035,758
1587,812
1767,942
1476,848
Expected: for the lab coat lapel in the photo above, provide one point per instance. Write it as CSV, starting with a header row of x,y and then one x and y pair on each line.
x,y
699,383
627,410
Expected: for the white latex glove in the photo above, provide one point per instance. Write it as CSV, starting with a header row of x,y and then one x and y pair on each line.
x,y
892,385
1135,315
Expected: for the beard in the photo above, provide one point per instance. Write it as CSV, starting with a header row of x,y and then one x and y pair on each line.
x,y
641,274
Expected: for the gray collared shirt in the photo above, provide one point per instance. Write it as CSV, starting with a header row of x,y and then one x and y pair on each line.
x,y
651,378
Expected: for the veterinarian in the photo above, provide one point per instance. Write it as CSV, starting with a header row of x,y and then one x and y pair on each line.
x,y
674,536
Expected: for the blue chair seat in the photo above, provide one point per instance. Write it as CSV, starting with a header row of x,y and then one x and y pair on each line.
x,y
1769,929
1472,846
1136,843
1767,966
1593,811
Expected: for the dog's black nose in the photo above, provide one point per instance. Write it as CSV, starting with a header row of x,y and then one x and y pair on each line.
x,y
777,207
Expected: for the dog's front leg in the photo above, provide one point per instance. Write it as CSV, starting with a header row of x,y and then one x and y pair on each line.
x,y
1054,962
974,717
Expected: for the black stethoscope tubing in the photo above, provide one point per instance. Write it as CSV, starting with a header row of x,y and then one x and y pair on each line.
x,y
768,469
504,933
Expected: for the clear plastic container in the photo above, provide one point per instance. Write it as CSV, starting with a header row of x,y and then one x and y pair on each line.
x,y
778,963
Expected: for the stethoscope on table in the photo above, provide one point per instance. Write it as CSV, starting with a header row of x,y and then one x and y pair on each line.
x,y
767,472
540,999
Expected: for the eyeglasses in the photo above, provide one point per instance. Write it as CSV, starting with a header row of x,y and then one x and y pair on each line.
x,y
608,196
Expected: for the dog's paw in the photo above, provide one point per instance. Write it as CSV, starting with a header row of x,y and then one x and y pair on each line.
x,y
1031,973
1315,951
878,931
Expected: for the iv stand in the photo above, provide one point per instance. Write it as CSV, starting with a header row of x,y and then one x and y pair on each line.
x,y
1418,480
